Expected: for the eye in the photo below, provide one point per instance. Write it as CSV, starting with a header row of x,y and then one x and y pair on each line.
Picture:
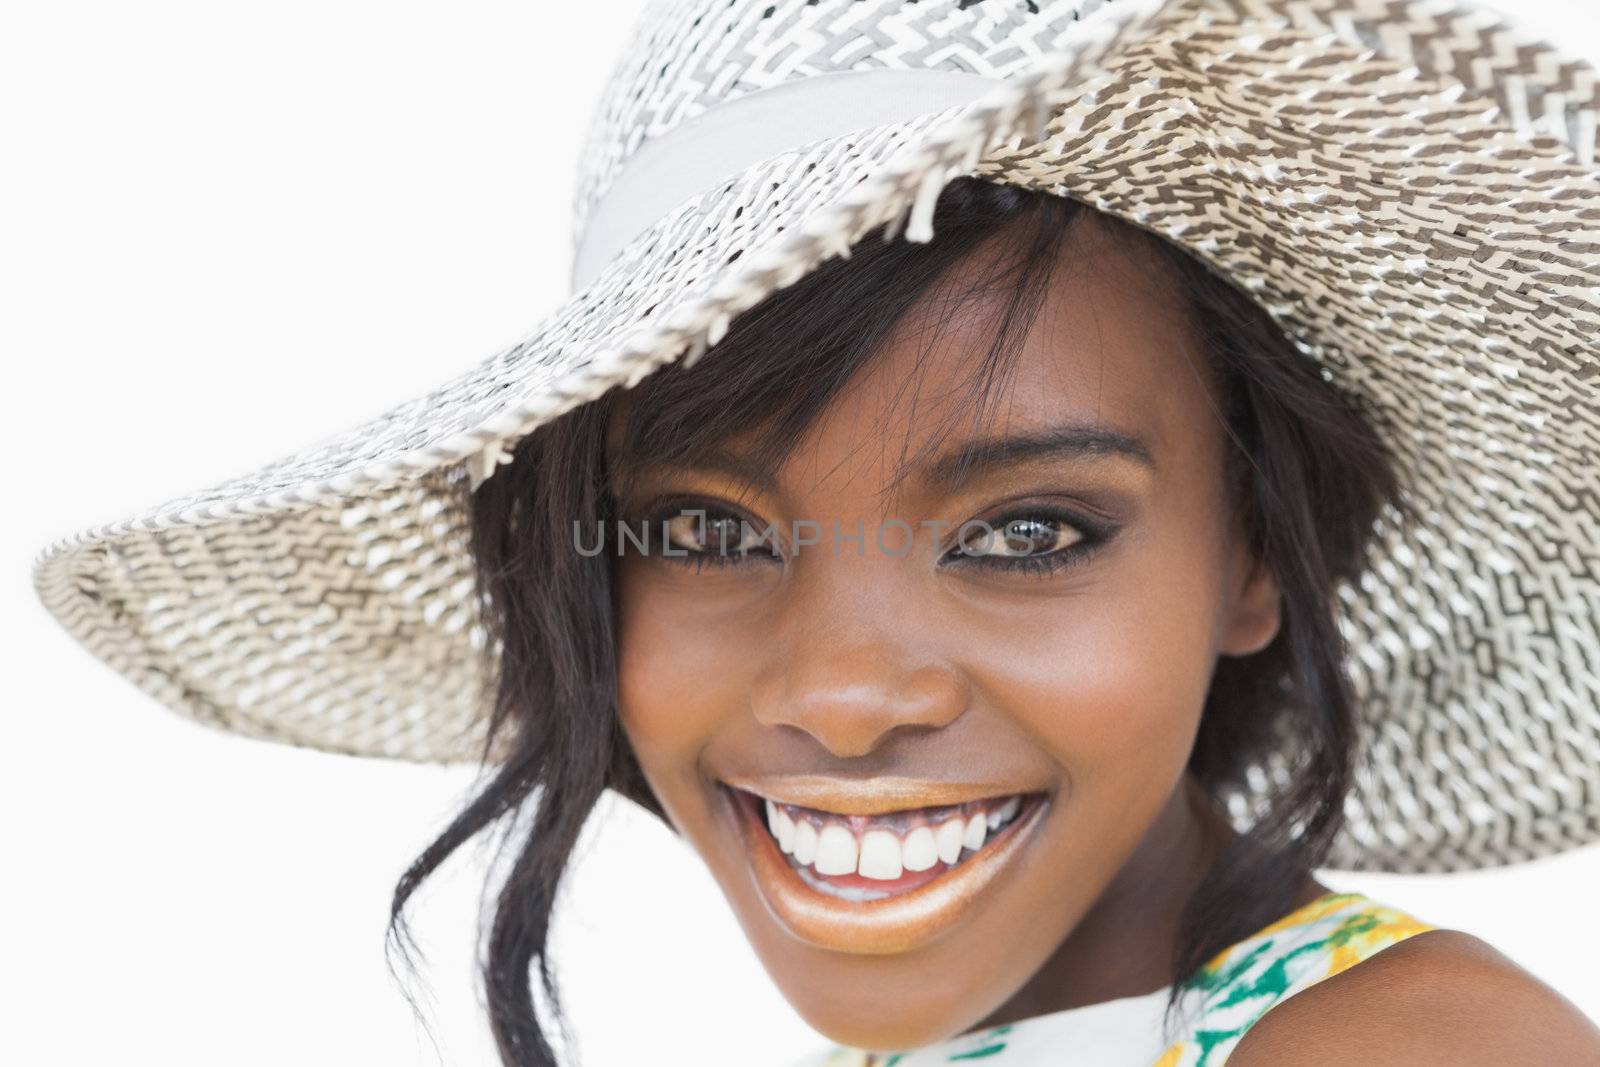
x,y
1030,536
697,530
1037,540
696,534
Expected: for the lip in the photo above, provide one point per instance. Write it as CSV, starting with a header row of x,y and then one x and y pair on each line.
x,y
891,924
865,796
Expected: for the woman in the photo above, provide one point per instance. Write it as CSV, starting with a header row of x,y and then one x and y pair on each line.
x,y
1013,617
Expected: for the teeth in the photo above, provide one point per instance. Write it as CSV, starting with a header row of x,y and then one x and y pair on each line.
x,y
1004,812
976,827
832,847
846,892
948,838
880,855
781,825
805,842
836,850
919,851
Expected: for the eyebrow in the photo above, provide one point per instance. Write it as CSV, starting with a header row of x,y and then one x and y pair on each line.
x,y
1067,441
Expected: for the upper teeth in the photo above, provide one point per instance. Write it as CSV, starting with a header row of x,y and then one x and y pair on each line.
x,y
829,845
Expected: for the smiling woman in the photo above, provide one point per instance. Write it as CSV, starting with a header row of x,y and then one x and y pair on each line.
x,y
1061,361
996,750
1018,488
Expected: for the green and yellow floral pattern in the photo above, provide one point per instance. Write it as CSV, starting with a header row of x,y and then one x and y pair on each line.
x,y
1309,944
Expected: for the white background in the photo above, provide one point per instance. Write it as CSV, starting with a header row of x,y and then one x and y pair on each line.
x,y
229,230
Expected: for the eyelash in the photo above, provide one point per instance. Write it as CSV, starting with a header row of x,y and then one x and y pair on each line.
x,y
1094,535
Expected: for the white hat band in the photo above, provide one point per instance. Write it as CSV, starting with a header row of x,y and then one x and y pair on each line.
x,y
731,136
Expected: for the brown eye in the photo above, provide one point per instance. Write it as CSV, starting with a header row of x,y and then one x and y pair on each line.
x,y
1031,535
697,536
1037,540
709,532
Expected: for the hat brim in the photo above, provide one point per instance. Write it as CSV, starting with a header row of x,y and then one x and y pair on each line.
x,y
1415,204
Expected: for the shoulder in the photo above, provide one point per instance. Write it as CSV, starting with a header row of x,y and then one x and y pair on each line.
x,y
1437,997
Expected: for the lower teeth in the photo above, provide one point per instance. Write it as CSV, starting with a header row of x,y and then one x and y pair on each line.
x,y
846,892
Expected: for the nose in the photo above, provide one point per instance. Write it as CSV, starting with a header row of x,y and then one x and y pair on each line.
x,y
850,689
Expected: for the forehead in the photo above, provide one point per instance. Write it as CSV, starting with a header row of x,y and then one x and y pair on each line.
x,y
1113,344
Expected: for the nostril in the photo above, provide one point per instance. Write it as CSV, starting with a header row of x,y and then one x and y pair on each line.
x,y
850,706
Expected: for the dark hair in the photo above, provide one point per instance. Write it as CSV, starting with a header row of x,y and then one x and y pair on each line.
x,y
1306,472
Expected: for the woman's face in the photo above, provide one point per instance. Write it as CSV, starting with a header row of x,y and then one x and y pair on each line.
x,y
892,697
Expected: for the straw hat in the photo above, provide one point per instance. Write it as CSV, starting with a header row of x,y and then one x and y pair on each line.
x,y
1409,188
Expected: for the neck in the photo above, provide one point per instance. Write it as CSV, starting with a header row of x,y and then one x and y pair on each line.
x,y
1124,944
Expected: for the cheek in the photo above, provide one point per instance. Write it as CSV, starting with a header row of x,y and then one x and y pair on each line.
x,y
675,674
1111,680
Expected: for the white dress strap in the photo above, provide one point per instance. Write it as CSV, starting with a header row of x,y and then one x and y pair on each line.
x,y
1125,1032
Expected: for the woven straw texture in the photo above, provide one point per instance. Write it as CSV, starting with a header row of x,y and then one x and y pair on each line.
x,y
1409,189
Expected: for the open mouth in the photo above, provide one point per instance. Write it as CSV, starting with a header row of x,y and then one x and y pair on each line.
x,y
884,881
869,857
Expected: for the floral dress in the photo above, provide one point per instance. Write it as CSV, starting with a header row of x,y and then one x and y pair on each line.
x,y
1233,990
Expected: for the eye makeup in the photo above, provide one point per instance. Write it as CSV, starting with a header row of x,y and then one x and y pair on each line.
x,y
741,540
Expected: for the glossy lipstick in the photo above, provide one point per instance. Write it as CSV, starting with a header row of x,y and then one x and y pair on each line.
x,y
901,909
